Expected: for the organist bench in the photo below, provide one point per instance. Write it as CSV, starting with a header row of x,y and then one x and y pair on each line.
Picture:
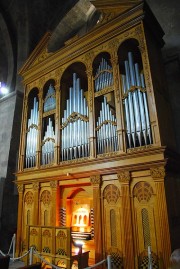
x,y
54,244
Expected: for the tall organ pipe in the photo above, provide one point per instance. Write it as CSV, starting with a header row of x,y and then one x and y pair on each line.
x,y
31,138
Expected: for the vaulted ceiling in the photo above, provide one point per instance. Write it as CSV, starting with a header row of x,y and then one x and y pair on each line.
x,y
23,23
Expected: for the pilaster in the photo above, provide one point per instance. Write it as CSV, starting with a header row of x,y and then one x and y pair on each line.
x,y
35,187
124,180
20,188
158,175
55,203
96,183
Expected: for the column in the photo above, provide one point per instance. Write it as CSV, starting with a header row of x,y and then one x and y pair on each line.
x,y
57,123
162,225
38,154
92,135
119,110
55,203
20,188
35,187
124,179
96,183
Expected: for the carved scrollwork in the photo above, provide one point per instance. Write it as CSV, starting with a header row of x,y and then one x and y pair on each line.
x,y
54,184
124,176
20,188
74,117
157,172
35,186
96,180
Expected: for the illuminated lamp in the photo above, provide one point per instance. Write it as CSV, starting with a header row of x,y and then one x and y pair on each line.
x,y
3,89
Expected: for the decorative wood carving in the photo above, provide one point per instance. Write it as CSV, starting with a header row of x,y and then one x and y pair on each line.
x,y
96,180
111,193
124,176
143,191
157,172
29,198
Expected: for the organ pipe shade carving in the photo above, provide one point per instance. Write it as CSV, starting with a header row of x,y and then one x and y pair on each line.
x,y
48,144
31,137
75,124
106,129
50,100
146,228
104,76
138,128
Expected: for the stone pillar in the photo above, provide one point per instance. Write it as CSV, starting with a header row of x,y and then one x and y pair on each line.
x,y
124,179
20,188
96,183
35,188
164,245
55,203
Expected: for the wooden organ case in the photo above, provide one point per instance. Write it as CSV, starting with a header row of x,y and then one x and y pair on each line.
x,y
93,140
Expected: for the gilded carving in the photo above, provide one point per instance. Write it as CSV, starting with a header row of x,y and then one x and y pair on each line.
x,y
124,176
96,180
108,154
143,191
114,44
35,185
53,184
29,198
158,172
20,188
111,193
139,149
46,197
74,117
104,91
75,161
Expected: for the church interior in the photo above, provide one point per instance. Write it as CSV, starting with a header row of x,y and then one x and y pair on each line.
x,y
90,130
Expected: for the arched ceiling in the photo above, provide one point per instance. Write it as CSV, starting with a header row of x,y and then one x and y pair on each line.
x,y
23,23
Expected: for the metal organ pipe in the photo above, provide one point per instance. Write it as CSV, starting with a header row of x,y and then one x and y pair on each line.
x,y
138,128
106,129
103,77
48,144
75,124
31,138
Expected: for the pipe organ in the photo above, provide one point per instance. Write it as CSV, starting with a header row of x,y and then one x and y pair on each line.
x,y
104,76
48,144
50,100
94,148
75,124
31,136
106,130
138,127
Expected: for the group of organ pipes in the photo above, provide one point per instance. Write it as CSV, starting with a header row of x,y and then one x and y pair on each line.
x,y
75,124
138,127
75,121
